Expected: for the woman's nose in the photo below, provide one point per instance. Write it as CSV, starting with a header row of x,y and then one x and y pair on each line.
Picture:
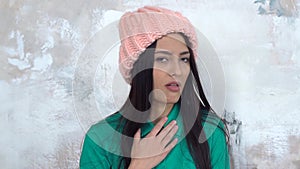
x,y
175,69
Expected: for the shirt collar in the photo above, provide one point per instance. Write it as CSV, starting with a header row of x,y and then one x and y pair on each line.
x,y
173,115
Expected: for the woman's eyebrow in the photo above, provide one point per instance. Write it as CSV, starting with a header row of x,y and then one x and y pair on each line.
x,y
184,53
169,53
163,52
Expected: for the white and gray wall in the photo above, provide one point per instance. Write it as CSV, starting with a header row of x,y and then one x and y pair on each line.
x,y
49,96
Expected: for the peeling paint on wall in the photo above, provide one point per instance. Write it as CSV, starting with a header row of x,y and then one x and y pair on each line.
x,y
41,42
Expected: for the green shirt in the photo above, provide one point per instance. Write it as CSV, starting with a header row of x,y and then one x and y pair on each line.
x,y
101,148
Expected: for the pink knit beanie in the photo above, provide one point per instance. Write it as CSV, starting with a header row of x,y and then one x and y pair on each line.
x,y
139,29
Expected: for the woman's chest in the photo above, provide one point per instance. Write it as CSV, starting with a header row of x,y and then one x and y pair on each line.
x,y
179,157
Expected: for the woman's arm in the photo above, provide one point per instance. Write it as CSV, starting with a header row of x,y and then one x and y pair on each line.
x,y
219,149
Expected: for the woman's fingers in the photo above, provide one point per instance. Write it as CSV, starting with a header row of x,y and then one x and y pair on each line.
x,y
171,145
157,142
168,137
157,127
167,129
137,135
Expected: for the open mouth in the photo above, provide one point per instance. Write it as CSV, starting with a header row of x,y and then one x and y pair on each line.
x,y
173,86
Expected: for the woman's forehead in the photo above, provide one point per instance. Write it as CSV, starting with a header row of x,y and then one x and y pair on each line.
x,y
175,37
172,42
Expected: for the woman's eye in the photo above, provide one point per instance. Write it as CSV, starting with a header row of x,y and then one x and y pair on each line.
x,y
185,60
161,59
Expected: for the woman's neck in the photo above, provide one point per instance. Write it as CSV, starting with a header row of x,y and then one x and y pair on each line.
x,y
159,110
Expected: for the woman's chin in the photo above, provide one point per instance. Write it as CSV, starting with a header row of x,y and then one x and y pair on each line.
x,y
172,100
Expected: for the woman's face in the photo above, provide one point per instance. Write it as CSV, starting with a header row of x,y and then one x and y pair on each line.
x,y
171,68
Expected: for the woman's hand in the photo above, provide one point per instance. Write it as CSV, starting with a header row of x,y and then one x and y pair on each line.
x,y
148,152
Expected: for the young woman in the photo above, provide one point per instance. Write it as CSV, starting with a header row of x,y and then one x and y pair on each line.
x,y
166,122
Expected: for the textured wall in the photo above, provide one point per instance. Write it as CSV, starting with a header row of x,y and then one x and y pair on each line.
x,y
45,50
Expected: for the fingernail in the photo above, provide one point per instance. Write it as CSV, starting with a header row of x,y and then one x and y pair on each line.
x,y
173,122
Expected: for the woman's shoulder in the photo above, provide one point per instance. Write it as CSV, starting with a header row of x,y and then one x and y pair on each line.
x,y
217,138
105,127
101,145
111,120
213,125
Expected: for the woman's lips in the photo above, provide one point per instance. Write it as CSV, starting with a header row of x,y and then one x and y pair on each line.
x,y
173,86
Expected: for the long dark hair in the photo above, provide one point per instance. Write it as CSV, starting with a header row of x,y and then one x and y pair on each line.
x,y
192,110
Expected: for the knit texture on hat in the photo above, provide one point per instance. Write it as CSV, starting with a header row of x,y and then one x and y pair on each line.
x,y
139,29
